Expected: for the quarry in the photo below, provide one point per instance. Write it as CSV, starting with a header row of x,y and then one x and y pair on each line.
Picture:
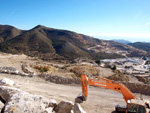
x,y
53,86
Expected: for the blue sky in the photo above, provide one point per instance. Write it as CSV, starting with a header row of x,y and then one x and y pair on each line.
x,y
107,19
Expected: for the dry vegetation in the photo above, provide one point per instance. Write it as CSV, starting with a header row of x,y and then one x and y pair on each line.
x,y
79,70
118,76
42,68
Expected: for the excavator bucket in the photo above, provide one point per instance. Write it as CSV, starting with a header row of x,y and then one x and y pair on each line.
x,y
79,99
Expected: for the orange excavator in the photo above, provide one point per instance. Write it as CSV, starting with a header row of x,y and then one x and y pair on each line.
x,y
133,104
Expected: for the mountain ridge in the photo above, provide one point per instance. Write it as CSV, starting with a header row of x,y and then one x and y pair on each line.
x,y
49,43
7,32
141,45
122,41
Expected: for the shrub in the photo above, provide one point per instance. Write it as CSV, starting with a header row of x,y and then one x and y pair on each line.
x,y
42,68
114,67
45,68
144,58
98,62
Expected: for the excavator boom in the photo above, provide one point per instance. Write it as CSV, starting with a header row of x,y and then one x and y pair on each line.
x,y
105,83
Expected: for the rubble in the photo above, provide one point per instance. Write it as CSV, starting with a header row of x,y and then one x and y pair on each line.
x,y
6,82
60,79
25,70
118,76
13,71
18,101
9,70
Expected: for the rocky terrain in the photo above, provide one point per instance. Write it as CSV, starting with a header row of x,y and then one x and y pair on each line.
x,y
53,86
19,101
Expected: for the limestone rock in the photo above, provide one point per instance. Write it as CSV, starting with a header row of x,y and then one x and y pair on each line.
x,y
53,103
6,92
23,102
1,105
78,109
6,82
64,107
49,110
18,101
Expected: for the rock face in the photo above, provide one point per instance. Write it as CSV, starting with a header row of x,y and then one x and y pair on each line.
x,y
6,82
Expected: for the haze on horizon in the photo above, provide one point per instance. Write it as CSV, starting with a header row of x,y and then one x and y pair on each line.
x,y
121,37
104,19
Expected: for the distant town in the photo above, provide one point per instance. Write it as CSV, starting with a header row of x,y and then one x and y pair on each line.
x,y
136,66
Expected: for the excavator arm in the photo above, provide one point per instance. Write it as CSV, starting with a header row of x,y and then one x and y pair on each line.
x,y
116,86
105,83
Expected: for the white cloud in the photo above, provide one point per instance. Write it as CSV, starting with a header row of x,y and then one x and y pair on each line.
x,y
147,24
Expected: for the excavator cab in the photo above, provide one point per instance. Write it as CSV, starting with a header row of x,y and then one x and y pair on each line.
x,y
135,108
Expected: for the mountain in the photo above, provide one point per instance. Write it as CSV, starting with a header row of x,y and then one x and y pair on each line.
x,y
122,41
141,45
48,43
8,32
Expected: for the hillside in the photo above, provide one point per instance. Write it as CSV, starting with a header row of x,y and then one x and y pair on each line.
x,y
8,32
48,43
141,45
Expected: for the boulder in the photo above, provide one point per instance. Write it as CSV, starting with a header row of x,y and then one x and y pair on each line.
x,y
64,107
6,82
23,102
78,109
6,92
18,101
